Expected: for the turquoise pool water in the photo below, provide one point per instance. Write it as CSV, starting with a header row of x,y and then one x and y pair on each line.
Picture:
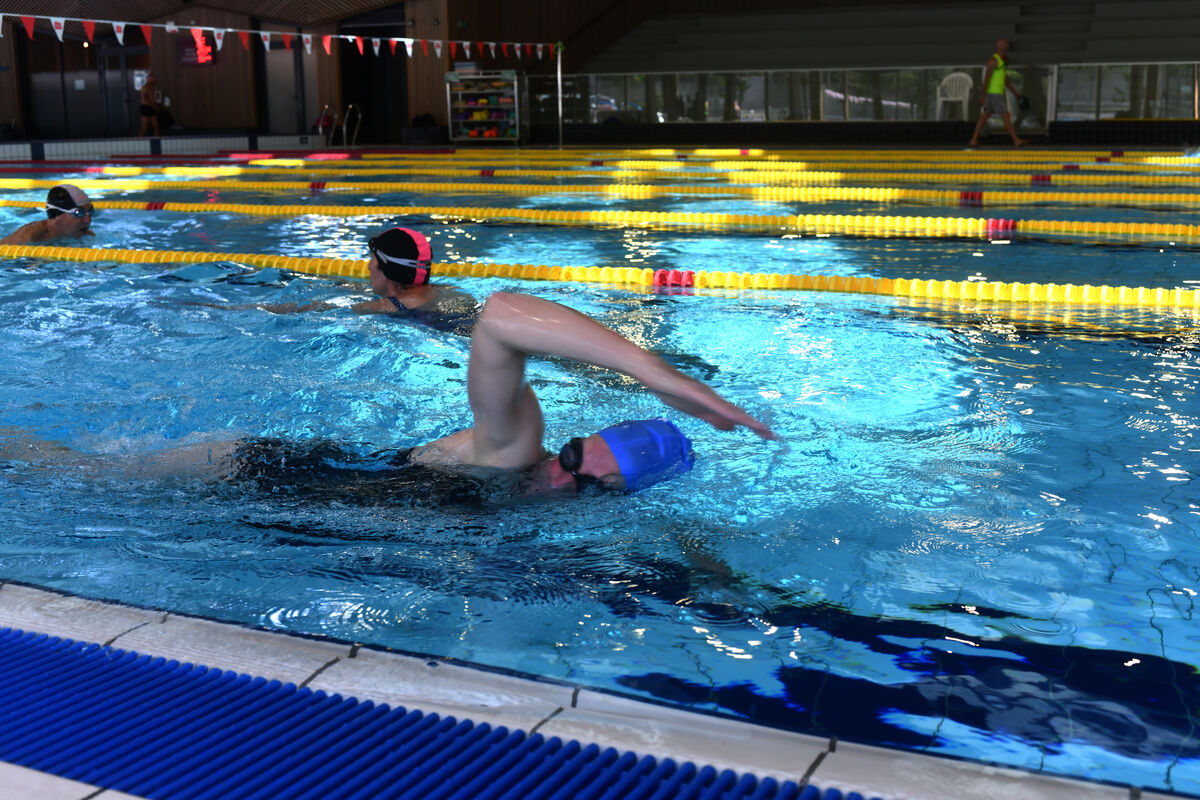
x,y
980,536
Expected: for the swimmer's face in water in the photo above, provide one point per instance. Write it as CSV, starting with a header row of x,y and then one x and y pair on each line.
x,y
580,463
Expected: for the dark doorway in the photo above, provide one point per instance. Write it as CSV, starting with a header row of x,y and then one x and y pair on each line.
x,y
377,86
118,94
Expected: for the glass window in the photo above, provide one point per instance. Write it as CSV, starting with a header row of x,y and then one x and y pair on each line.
x,y
752,97
864,92
693,91
1033,84
716,86
1161,91
1077,93
833,95
909,100
607,100
636,107
789,96
1115,94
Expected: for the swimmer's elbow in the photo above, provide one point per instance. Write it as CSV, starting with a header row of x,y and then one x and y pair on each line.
x,y
499,308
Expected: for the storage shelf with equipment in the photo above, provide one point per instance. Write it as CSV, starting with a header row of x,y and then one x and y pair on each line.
x,y
484,106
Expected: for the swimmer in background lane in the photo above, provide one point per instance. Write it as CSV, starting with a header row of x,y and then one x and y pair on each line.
x,y
400,271
69,214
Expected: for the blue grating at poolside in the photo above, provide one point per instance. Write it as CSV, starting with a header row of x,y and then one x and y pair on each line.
x,y
161,729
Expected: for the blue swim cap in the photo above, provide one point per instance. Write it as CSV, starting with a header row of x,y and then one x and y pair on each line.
x,y
648,451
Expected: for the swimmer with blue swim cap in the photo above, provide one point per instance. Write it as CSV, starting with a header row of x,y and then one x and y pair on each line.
x,y
508,423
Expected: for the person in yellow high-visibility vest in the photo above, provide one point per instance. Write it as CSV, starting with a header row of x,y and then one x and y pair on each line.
x,y
993,100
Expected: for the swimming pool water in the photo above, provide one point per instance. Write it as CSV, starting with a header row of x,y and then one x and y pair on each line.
x,y
977,538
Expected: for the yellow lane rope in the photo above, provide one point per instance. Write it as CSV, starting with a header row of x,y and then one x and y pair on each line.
x,y
785,177
1000,154
991,291
853,224
799,194
762,171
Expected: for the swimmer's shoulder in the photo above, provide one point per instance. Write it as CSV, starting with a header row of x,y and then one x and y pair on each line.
x,y
36,231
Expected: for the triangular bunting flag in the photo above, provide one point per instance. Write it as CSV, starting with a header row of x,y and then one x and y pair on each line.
x,y
466,49
539,52
327,42
119,30
89,28
492,47
219,36
453,49
171,27
287,41
437,48
28,22
145,32
375,45
528,49
408,43
58,23
392,44
358,41
552,51
266,38
245,37
503,49
424,47
307,39
1,26
517,47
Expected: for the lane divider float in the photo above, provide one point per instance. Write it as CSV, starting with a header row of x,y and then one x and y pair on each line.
x,y
794,194
848,224
993,291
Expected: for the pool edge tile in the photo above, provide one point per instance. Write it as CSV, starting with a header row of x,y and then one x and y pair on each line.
x,y
68,616
268,654
900,774
448,689
664,732
17,781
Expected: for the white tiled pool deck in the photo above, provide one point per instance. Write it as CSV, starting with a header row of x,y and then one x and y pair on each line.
x,y
552,709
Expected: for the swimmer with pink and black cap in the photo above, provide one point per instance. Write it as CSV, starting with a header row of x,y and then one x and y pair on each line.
x,y
400,269
69,215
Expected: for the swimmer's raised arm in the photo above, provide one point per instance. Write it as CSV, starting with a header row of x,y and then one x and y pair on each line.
x,y
513,326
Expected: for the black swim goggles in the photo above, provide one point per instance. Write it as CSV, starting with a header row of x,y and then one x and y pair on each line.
x,y
79,212
570,458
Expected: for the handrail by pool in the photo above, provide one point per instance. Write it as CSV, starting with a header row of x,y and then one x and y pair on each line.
x,y
993,291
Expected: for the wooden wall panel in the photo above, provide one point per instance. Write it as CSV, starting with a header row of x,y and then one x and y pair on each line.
x,y
216,96
10,83
328,72
427,74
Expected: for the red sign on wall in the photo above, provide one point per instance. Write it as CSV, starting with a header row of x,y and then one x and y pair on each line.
x,y
197,49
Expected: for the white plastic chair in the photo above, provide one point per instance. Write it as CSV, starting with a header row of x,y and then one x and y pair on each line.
x,y
954,88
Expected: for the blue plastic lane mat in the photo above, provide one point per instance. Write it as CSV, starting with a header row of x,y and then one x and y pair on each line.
x,y
161,729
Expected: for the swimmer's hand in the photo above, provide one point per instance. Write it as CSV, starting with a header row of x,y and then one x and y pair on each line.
x,y
699,400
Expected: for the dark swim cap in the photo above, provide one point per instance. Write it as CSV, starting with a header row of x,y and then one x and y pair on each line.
x,y
404,255
62,198
648,451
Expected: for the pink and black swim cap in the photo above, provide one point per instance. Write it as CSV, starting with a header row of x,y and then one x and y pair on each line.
x,y
404,256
